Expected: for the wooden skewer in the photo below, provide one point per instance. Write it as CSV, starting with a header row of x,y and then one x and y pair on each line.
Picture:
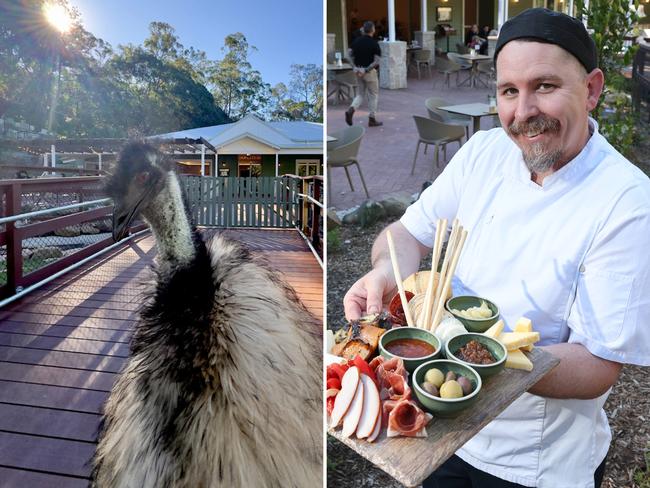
x,y
441,229
452,270
449,252
398,279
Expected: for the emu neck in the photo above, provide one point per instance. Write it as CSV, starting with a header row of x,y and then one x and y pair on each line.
x,y
170,226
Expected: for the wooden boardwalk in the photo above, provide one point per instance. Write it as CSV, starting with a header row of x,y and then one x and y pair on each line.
x,y
62,346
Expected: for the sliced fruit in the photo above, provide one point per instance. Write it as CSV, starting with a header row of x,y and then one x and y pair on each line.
x,y
352,416
349,384
371,407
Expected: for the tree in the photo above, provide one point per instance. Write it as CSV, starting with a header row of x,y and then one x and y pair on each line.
x,y
303,100
238,88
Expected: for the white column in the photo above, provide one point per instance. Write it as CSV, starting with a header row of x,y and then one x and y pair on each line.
x,y
571,8
45,159
423,14
344,30
502,13
277,165
53,156
391,20
202,159
99,161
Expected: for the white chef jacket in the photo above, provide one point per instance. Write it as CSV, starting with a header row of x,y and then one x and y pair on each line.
x,y
572,255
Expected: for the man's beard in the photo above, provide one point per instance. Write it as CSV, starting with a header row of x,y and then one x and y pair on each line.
x,y
537,157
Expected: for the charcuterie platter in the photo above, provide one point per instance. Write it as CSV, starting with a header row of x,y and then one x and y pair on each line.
x,y
408,387
411,459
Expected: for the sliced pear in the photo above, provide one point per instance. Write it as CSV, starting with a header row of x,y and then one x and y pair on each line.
x,y
371,406
352,416
349,384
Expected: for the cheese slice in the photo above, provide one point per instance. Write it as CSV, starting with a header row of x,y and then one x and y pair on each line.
x,y
495,330
524,324
515,340
518,360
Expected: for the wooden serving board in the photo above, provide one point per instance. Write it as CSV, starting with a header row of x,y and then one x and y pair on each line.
x,y
411,460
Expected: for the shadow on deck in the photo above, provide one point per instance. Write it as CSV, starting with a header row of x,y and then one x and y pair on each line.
x,y
62,346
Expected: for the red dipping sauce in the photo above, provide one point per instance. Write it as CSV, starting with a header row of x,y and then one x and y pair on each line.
x,y
409,348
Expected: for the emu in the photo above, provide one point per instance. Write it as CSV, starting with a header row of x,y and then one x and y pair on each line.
x,y
223,383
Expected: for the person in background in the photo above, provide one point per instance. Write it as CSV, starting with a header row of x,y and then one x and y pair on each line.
x,y
559,231
365,54
485,32
471,33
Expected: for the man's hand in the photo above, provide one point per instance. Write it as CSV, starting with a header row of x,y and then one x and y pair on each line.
x,y
368,294
378,286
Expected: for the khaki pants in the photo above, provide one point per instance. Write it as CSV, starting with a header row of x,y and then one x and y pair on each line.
x,y
368,87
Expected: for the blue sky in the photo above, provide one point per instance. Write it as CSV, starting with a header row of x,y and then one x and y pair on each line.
x,y
285,32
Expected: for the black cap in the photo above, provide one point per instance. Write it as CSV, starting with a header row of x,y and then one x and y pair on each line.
x,y
554,28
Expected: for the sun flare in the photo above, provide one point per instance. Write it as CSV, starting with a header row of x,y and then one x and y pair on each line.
x,y
57,16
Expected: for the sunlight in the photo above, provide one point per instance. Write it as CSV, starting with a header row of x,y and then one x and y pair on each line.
x,y
57,16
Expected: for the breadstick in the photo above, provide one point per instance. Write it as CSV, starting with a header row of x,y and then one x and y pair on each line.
x,y
398,279
441,229
449,252
452,270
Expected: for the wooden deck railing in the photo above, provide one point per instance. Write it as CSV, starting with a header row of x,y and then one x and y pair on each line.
x,y
36,212
311,211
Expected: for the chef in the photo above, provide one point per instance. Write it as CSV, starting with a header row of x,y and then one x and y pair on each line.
x,y
559,232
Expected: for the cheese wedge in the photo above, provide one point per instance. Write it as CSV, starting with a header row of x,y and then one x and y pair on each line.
x,y
518,360
495,330
524,324
515,340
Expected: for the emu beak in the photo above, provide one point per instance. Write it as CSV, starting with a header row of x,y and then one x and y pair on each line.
x,y
123,215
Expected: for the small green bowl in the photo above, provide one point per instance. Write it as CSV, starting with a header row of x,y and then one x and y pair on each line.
x,y
465,302
410,333
446,407
496,348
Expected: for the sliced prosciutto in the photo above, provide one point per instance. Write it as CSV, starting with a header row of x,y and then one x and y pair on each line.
x,y
392,378
406,419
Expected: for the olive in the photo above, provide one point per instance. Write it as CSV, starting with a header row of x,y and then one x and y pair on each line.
x,y
450,376
435,376
430,388
465,384
451,389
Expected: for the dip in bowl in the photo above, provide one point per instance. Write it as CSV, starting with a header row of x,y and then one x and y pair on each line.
x,y
414,345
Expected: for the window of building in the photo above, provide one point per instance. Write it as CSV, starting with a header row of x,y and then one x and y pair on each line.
x,y
307,167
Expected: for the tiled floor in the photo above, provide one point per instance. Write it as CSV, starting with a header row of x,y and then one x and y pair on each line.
x,y
386,153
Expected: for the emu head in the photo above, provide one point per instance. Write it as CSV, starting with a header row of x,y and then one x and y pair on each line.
x,y
139,176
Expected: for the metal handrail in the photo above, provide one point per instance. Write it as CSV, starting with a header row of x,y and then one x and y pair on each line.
x,y
47,211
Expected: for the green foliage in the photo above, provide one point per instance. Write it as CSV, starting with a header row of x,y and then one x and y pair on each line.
x,y
642,477
236,86
82,87
303,100
333,240
610,21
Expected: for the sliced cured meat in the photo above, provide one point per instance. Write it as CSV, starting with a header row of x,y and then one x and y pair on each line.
x,y
392,378
349,384
352,416
386,407
371,408
377,430
407,419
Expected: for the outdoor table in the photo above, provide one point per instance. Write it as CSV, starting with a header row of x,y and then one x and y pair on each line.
x,y
332,69
474,110
473,73
411,460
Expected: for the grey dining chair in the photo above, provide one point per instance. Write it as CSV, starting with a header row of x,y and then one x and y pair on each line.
x,y
438,134
447,67
464,64
343,153
422,57
433,103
